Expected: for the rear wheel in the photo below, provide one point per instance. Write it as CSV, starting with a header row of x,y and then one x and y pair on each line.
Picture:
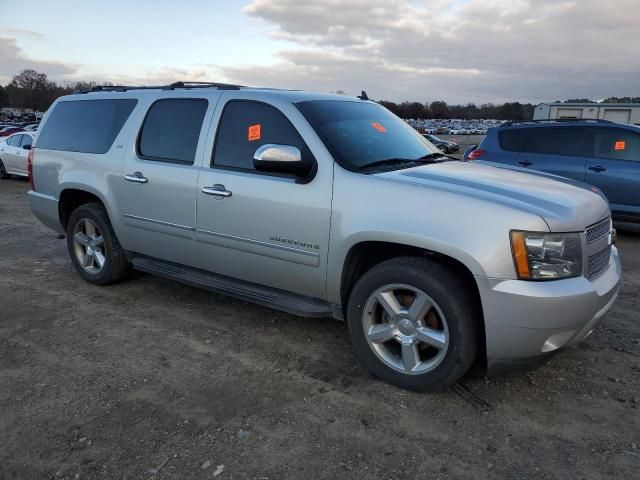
x,y
93,247
443,149
3,171
414,323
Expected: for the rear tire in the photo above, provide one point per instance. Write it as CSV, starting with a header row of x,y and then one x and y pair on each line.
x,y
93,246
414,323
3,171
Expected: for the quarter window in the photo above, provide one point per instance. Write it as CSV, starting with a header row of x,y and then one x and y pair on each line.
x,y
88,126
616,144
512,140
247,125
171,130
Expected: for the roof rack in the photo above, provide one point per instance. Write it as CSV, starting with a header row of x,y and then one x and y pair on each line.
x,y
556,120
172,86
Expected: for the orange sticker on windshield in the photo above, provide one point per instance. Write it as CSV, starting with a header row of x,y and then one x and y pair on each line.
x,y
378,127
253,132
620,145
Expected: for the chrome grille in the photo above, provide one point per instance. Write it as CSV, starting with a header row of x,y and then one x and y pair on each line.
x,y
597,231
599,261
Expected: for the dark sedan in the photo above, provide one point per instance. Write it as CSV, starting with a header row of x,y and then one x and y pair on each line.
x,y
443,145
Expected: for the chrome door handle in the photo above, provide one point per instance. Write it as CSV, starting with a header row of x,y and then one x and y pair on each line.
x,y
136,177
218,190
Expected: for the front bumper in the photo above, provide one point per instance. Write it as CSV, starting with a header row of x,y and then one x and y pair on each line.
x,y
526,320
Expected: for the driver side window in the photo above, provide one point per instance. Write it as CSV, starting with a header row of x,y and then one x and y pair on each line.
x,y
247,125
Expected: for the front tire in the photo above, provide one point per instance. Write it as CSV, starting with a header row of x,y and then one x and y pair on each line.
x,y
93,246
414,323
3,171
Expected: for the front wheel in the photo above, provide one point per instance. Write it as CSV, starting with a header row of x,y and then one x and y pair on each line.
x,y
3,171
414,323
93,246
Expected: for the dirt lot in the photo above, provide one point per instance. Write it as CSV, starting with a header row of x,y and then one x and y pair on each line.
x,y
153,379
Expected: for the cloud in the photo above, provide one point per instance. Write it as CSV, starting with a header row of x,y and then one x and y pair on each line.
x,y
13,60
478,50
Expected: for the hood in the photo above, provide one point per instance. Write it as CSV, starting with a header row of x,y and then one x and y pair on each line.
x,y
565,205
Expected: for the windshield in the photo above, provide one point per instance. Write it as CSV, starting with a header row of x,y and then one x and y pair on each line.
x,y
361,133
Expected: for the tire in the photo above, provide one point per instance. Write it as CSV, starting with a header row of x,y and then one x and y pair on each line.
x,y
98,258
444,149
3,171
449,321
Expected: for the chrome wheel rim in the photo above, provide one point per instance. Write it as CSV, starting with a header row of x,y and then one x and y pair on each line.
x,y
405,328
88,246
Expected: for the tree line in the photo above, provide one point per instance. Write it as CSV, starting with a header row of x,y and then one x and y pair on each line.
x,y
31,89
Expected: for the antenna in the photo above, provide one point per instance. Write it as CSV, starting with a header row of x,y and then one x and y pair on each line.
x,y
363,96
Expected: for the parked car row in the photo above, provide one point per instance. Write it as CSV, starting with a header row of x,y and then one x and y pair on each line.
x,y
7,128
453,126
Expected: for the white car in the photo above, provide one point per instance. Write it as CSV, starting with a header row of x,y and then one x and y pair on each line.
x,y
14,152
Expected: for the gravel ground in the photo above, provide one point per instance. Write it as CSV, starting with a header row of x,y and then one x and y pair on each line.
x,y
152,379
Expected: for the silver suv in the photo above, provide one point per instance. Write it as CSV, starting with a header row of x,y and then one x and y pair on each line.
x,y
325,205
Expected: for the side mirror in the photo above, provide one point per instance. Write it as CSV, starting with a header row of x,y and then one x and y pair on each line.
x,y
281,159
27,147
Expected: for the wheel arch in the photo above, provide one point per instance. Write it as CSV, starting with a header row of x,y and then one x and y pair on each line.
x,y
364,255
72,196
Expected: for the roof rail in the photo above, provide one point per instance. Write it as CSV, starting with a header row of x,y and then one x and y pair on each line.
x,y
172,86
555,120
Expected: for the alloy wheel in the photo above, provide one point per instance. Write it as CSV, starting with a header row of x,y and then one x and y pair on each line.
x,y
88,245
405,328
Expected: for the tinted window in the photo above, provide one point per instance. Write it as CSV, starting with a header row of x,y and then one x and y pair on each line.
x,y
616,144
171,130
15,140
245,126
88,126
512,140
556,141
360,133
26,140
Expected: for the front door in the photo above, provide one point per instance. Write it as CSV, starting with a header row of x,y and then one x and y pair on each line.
x,y
267,229
615,169
157,191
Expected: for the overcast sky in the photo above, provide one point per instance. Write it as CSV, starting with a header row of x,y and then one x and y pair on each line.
x,y
456,50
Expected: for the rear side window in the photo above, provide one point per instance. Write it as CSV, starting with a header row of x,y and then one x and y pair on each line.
x,y
171,130
556,141
512,140
15,140
616,144
247,125
88,126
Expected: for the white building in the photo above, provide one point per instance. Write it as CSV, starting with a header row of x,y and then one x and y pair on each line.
x,y
614,112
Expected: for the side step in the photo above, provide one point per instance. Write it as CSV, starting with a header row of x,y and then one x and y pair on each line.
x,y
250,292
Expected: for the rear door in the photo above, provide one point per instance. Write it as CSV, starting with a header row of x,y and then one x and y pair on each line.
x,y
615,168
157,191
23,154
558,150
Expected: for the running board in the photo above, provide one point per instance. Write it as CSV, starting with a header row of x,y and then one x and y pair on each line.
x,y
250,292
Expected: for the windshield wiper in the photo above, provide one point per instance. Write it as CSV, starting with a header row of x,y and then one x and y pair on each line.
x,y
430,158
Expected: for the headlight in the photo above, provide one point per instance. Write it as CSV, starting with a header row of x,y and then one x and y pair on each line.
x,y
546,256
